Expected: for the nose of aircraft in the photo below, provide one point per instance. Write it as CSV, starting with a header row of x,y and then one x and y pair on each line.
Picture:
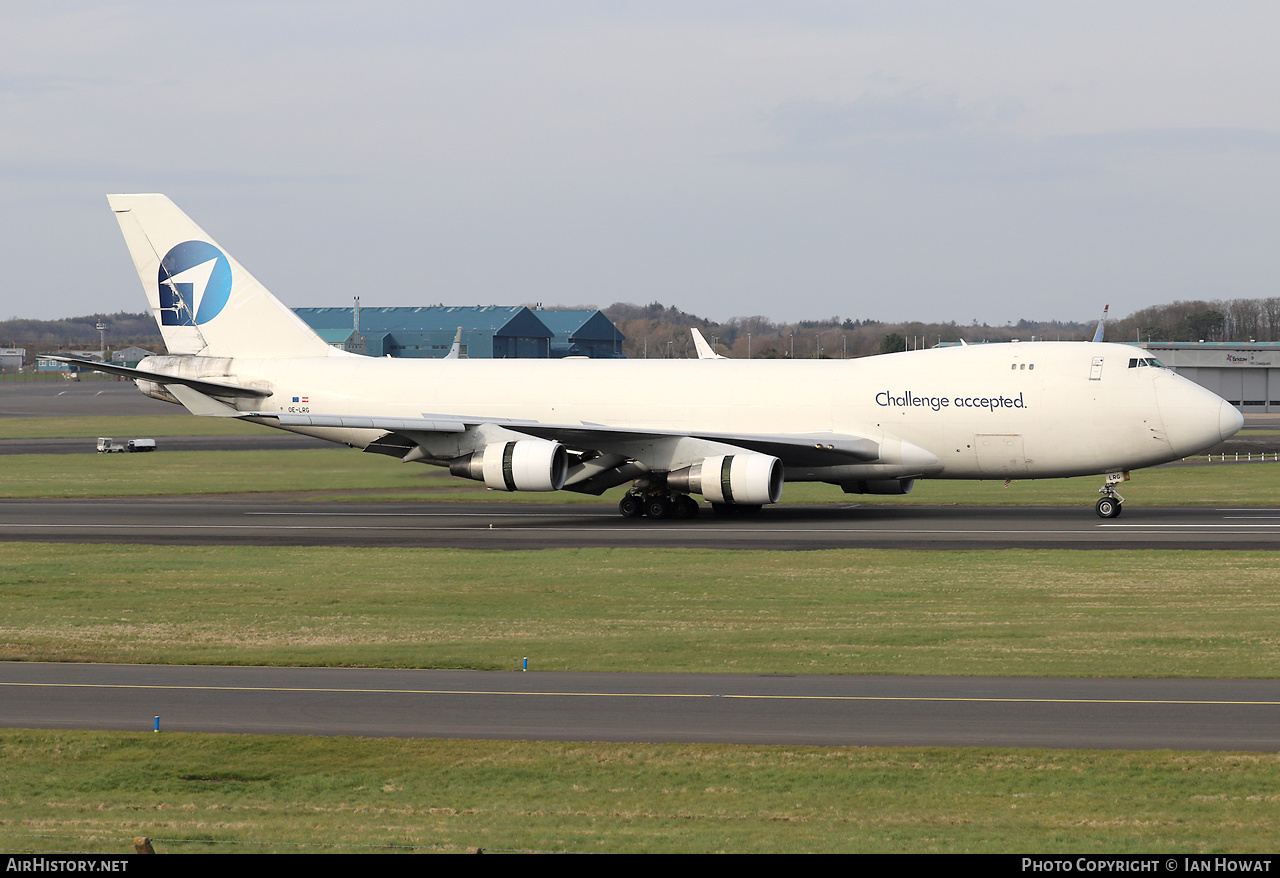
x,y
1229,420
1195,419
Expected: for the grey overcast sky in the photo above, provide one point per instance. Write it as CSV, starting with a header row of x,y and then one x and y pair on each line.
x,y
897,160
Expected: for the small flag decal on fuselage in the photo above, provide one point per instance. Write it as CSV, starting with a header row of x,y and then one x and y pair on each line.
x,y
302,399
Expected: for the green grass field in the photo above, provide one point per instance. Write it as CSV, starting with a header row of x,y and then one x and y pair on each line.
x,y
865,611
132,426
93,792
340,473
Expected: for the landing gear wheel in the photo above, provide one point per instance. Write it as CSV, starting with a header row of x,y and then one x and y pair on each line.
x,y
1109,507
631,506
683,506
1111,504
657,508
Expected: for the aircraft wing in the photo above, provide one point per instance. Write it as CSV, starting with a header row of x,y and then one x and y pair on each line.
x,y
793,449
797,449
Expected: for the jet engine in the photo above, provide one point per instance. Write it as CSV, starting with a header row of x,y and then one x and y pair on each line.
x,y
522,465
746,479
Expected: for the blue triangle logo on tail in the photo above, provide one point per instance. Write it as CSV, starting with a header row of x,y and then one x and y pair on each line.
x,y
195,284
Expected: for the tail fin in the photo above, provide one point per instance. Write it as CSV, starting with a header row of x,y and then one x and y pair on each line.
x,y
1102,324
203,300
455,352
705,351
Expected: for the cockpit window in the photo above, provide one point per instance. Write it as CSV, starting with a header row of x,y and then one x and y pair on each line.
x,y
1139,362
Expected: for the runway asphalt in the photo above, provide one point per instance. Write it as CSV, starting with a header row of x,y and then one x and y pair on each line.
x,y
509,524
273,441
75,399
693,708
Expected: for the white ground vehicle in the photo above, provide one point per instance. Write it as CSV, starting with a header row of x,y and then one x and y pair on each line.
x,y
107,445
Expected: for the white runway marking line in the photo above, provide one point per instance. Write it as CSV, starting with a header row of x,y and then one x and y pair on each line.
x,y
642,529
638,532
553,694
1158,526
427,514
1270,518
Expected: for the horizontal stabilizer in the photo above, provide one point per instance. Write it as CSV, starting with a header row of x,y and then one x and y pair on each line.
x,y
213,388
198,404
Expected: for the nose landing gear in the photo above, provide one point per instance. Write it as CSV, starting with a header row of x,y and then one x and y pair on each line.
x,y
1111,504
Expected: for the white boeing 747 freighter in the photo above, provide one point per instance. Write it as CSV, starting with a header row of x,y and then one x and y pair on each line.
x,y
731,431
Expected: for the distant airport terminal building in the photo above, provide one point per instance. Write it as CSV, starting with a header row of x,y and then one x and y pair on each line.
x,y
489,332
11,359
1245,374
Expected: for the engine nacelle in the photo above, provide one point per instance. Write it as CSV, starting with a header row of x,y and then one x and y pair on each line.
x,y
747,479
522,465
879,486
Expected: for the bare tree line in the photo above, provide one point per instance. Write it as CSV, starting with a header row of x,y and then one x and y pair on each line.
x,y
660,331
1238,320
656,330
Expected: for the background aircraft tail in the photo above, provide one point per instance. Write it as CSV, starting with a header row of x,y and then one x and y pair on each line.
x,y
203,300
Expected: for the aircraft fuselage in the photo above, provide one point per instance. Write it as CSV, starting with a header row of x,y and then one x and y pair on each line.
x,y
1028,410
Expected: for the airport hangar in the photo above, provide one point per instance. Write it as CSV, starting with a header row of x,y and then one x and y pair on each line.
x,y
491,331
1245,374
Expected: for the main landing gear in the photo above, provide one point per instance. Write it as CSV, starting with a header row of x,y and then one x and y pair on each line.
x,y
657,506
1111,504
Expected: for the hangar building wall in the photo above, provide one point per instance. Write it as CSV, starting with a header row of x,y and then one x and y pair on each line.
x,y
1245,374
